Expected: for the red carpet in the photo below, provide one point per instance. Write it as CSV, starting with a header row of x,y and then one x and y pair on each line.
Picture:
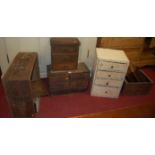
x,y
81,103
4,107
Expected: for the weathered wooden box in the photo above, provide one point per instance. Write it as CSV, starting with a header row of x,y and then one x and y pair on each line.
x,y
64,53
68,81
22,84
121,42
137,83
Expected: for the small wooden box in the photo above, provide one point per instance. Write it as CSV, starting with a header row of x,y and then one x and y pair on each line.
x,y
68,81
137,83
64,52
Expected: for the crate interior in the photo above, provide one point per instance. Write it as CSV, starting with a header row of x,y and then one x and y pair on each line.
x,y
137,76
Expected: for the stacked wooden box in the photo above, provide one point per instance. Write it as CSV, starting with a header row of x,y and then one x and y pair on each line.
x,y
65,74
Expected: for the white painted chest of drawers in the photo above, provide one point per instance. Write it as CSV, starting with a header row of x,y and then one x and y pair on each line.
x,y
110,69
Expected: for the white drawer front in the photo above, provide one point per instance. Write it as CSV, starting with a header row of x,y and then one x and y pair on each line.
x,y
112,66
105,91
107,82
110,75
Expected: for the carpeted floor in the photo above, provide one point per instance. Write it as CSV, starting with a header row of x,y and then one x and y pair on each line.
x,y
4,107
81,103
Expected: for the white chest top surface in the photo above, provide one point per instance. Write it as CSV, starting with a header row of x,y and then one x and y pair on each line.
x,y
112,55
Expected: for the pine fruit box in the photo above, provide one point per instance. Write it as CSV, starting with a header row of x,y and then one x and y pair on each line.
x,y
137,83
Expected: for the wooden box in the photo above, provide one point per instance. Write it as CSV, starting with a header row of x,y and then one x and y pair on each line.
x,y
22,84
121,42
137,83
68,81
64,53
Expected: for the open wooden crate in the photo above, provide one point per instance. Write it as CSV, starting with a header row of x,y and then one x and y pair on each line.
x,y
137,83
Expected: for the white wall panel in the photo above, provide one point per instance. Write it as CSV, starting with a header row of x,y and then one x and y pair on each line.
x,y
87,50
28,44
12,46
3,56
45,55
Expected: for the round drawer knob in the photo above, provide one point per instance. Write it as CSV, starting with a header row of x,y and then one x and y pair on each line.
x,y
112,67
107,83
66,78
106,92
109,75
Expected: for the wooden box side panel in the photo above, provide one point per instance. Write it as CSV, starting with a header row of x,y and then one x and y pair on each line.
x,y
18,94
64,61
79,84
64,41
142,86
22,107
68,81
64,53
64,49
121,42
68,85
17,88
136,88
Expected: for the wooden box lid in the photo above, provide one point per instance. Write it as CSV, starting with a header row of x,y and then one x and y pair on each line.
x,y
64,41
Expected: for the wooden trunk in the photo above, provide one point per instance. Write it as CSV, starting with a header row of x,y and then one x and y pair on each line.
x,y
137,83
64,52
20,84
68,81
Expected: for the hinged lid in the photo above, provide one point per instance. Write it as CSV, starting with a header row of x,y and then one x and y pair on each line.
x,y
81,68
64,41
